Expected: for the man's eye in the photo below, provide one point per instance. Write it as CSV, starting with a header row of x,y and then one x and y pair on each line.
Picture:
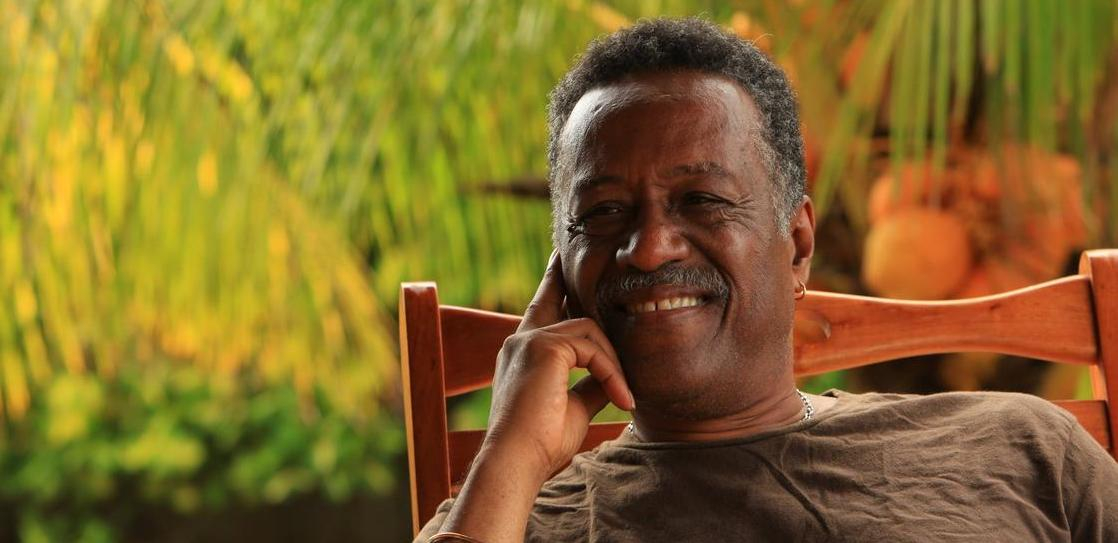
x,y
699,198
603,219
603,210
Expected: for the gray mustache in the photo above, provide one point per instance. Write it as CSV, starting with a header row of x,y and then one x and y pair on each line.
x,y
704,279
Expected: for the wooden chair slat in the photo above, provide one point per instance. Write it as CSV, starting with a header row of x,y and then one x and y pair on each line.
x,y
421,357
1050,321
1102,268
1092,415
473,338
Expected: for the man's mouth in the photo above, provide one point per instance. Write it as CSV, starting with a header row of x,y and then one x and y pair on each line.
x,y
671,291
663,304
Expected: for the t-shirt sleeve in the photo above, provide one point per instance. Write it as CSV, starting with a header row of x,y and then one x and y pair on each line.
x,y
432,527
1090,487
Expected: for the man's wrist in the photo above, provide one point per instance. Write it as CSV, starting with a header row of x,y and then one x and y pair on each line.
x,y
509,456
498,494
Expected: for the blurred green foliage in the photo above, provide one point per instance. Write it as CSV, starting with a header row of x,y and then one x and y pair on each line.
x,y
174,436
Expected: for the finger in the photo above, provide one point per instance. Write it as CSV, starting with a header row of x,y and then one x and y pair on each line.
x,y
585,328
603,368
590,395
546,306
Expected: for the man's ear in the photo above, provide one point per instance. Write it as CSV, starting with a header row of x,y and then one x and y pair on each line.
x,y
803,239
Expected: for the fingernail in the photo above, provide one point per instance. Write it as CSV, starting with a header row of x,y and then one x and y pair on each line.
x,y
632,401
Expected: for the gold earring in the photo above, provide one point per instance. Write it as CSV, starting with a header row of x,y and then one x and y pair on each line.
x,y
800,290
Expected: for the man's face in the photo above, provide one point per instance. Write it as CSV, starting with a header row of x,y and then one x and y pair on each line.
x,y
669,207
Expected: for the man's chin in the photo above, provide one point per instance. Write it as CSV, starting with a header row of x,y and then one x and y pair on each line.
x,y
662,370
673,387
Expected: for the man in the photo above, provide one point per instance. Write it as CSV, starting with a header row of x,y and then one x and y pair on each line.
x,y
683,238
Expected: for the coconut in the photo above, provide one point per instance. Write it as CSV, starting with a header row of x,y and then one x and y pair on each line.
x,y
1044,246
913,184
890,193
976,284
917,254
1005,275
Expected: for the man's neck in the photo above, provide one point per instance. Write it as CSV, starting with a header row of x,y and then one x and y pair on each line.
x,y
782,408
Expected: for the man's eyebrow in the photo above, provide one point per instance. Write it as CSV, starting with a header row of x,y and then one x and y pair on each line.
x,y
699,169
586,183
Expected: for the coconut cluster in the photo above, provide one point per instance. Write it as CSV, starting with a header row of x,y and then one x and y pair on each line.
x,y
986,222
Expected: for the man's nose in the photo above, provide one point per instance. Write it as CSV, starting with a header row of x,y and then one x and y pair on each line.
x,y
655,240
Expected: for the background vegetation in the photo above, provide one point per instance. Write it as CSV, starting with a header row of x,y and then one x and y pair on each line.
x,y
206,209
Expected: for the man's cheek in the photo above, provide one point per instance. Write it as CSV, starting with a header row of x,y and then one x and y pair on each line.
x,y
580,302
572,300
575,307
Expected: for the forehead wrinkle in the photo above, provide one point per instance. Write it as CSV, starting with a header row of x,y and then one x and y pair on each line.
x,y
697,169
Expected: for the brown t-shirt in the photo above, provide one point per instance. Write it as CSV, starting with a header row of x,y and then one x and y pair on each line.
x,y
873,467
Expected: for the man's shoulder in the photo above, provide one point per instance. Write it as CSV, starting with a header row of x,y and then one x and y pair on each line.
x,y
1010,411
990,399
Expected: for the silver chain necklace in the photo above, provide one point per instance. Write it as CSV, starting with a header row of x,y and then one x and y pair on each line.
x,y
809,411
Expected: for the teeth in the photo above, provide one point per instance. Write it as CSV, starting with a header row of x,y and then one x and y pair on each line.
x,y
663,305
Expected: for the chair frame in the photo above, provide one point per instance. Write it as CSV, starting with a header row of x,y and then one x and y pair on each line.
x,y
1071,320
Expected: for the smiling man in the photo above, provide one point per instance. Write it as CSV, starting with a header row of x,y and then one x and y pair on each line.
x,y
683,239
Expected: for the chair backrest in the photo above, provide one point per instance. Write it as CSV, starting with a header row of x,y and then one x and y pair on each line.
x,y
448,351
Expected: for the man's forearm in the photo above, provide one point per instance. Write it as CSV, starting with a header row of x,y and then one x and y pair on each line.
x,y
497,497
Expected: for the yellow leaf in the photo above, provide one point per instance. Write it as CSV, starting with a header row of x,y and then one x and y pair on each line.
x,y
145,155
18,28
740,23
238,83
71,350
81,125
104,124
180,55
608,18
278,244
37,362
115,165
207,173
26,305
15,386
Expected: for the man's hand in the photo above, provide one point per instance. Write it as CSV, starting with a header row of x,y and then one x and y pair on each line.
x,y
536,423
533,411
